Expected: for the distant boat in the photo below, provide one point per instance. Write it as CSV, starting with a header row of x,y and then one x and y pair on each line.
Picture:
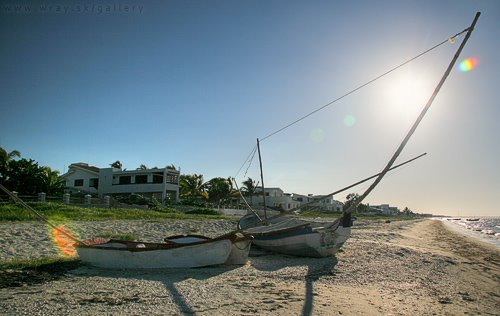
x,y
175,253
472,219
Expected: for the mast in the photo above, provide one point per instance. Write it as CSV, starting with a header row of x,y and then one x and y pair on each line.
x,y
262,179
419,118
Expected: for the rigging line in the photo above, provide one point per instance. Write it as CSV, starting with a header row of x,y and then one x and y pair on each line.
x,y
246,202
252,153
362,86
421,115
40,216
250,162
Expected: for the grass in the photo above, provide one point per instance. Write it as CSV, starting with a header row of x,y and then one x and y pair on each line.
x,y
18,273
60,212
41,264
117,236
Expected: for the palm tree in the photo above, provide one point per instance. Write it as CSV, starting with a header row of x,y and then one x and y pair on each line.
x,y
51,182
171,167
219,190
142,167
117,164
5,159
250,188
192,187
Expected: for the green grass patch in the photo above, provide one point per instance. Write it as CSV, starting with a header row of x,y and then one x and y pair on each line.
x,y
58,212
18,273
41,264
117,236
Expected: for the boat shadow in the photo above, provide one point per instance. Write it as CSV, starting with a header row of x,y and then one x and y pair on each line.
x,y
314,269
167,277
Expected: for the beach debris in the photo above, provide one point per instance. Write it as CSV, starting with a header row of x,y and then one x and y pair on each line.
x,y
444,300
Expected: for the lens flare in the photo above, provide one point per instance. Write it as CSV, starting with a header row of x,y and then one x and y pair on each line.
x,y
317,135
349,120
64,244
467,64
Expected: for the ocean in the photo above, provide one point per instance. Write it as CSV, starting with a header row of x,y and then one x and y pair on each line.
x,y
486,228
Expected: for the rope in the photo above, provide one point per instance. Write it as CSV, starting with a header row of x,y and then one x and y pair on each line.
x,y
363,85
252,154
420,117
246,203
40,216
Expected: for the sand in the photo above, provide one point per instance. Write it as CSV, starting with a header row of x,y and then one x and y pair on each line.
x,y
400,268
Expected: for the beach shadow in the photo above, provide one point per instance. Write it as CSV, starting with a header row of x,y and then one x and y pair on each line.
x,y
167,277
313,274
263,260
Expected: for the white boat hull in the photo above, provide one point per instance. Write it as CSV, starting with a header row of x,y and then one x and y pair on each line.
x,y
240,247
118,256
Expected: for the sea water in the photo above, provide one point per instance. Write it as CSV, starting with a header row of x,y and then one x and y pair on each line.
x,y
486,228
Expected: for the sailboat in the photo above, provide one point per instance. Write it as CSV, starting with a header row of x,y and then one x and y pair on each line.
x,y
288,234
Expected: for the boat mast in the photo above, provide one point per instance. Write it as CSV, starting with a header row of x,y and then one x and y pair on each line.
x,y
418,120
262,180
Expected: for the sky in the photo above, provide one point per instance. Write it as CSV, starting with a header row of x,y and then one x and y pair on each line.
x,y
194,83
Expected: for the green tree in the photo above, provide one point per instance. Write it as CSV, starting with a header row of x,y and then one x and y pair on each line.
x,y
141,167
171,167
219,190
117,164
249,188
25,177
352,199
192,187
52,184
5,159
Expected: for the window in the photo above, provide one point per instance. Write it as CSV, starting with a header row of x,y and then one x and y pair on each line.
x,y
94,183
158,177
143,178
172,178
78,183
125,179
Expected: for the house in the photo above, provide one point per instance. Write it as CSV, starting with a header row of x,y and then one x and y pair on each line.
x,y
277,199
163,184
383,209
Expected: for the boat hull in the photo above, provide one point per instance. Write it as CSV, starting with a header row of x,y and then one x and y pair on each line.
x,y
240,247
305,244
297,237
117,255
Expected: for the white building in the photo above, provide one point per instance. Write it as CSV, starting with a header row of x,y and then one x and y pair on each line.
x,y
163,184
384,209
277,199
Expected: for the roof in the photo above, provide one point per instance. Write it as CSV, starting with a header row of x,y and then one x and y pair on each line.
x,y
85,166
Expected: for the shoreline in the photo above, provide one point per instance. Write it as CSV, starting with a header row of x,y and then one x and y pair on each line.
x,y
402,268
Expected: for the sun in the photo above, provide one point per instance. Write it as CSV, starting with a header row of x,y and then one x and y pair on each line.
x,y
405,95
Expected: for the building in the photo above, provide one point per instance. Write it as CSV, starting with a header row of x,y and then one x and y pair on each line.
x,y
163,184
384,209
277,199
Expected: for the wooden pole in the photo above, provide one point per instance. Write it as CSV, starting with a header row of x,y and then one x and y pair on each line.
x,y
262,180
420,117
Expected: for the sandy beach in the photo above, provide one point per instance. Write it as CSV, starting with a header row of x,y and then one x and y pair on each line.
x,y
399,268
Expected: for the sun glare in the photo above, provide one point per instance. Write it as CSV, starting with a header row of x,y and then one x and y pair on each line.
x,y
405,95
63,243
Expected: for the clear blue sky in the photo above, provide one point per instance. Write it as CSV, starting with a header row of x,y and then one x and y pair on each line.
x,y
194,83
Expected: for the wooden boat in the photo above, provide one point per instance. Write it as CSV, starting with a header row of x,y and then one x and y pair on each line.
x,y
239,249
293,236
121,254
